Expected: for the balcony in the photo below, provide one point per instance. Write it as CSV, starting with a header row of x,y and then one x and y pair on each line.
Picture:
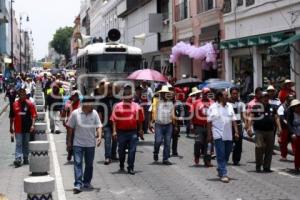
x,y
181,11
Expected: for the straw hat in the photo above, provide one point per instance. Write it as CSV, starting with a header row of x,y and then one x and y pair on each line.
x,y
195,90
295,102
270,87
165,89
287,81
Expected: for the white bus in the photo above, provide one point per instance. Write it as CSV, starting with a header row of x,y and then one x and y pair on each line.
x,y
110,60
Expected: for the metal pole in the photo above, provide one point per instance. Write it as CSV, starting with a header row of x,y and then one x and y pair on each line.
x,y
12,33
20,44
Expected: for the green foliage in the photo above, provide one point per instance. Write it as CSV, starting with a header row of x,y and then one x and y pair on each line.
x,y
61,41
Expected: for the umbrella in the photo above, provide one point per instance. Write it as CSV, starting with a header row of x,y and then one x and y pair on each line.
x,y
220,85
190,82
147,75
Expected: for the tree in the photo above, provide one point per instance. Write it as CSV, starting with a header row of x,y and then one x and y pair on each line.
x,y
61,41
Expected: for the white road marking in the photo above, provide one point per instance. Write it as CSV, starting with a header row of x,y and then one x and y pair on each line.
x,y
58,177
284,173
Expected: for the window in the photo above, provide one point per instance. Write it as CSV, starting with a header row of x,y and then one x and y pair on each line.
x,y
240,2
205,5
181,11
114,63
250,2
227,6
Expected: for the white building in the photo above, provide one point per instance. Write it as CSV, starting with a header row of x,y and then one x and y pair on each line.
x,y
252,28
104,18
147,30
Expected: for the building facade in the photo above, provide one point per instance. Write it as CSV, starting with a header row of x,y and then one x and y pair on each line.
x,y
198,22
148,25
252,27
4,34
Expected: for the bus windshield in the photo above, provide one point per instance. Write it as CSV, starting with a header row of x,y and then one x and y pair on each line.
x,y
114,63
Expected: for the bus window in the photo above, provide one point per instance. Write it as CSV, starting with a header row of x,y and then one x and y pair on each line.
x,y
114,63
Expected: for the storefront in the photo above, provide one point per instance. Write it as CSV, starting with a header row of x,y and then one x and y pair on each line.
x,y
250,62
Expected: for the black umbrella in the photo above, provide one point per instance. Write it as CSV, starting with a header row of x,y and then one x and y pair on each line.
x,y
190,82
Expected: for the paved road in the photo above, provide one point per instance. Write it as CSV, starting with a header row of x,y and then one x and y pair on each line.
x,y
155,181
182,180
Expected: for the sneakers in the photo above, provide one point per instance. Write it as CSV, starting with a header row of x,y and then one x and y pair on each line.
x,y
224,179
155,157
175,154
268,170
258,169
17,163
107,161
167,162
88,186
76,190
57,132
131,171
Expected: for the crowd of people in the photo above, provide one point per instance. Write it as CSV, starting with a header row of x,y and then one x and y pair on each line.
x,y
217,119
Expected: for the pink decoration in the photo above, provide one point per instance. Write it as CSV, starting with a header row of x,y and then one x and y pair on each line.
x,y
206,52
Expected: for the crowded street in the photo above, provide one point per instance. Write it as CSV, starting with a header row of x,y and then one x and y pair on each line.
x,y
155,181
150,99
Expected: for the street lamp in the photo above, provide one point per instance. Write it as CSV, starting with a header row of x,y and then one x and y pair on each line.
x,y
27,19
12,32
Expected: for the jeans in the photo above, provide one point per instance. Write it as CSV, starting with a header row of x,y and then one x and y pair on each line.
x,y
163,133
223,150
22,146
110,144
88,153
127,139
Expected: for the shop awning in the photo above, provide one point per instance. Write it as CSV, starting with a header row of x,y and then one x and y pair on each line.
x,y
269,38
284,46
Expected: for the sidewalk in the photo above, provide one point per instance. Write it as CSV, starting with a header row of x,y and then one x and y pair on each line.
x,y
12,178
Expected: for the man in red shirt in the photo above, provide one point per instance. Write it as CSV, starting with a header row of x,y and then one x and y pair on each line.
x,y
127,118
200,108
22,121
286,90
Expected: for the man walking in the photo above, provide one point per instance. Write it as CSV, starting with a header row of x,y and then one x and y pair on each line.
x,y
127,118
200,108
55,104
105,110
164,118
221,119
86,126
22,119
240,113
264,119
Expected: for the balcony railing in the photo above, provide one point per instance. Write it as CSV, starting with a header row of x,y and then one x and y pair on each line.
x,y
181,11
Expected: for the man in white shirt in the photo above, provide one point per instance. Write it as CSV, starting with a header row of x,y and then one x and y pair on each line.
x,y
221,119
86,126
